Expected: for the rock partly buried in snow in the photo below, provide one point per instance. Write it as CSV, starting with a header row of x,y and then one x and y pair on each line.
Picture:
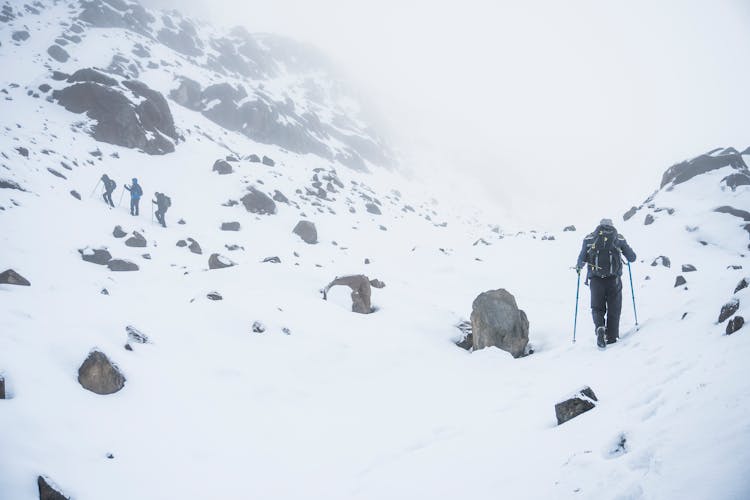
x,y
195,247
2,387
11,277
222,167
662,261
376,283
735,324
214,296
58,53
497,321
117,232
307,231
272,260
97,374
268,161
686,170
630,213
137,240
120,265
75,194
279,197
96,255
181,243
742,284
679,281
569,228
583,401
467,338
258,202
728,309
373,208
217,261
688,268
47,491
648,220
361,291
135,335
230,226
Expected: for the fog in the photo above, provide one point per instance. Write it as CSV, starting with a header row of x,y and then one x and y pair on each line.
x,y
553,110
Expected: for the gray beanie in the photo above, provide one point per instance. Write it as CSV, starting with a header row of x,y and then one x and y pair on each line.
x,y
606,222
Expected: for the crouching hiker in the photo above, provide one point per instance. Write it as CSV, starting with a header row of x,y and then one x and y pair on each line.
x,y
162,202
601,254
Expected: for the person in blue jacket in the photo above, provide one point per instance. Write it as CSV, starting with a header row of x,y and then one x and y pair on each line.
x,y
601,255
135,196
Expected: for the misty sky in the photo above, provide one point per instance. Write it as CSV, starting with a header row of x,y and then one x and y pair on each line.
x,y
572,109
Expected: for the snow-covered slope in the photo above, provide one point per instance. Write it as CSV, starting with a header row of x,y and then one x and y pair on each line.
x,y
326,403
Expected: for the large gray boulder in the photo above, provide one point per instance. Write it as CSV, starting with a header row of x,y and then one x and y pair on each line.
x,y
47,491
97,374
583,401
361,291
307,231
10,277
497,321
222,167
258,202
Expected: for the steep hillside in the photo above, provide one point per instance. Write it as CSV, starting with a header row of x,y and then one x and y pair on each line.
x,y
240,381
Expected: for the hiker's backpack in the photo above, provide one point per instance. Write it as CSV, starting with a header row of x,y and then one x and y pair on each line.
x,y
111,185
603,254
167,201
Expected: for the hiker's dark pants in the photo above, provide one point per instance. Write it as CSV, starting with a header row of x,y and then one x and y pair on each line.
x,y
160,217
606,300
134,206
108,198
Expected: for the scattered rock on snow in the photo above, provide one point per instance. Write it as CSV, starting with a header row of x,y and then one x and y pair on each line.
x,y
373,208
214,296
467,341
679,281
117,232
569,228
230,226
648,220
258,202
195,247
222,167
742,284
279,196
688,268
307,231
258,327
75,194
181,243
497,321
95,255
47,491
97,374
120,265
361,291
630,213
11,277
136,335
662,261
376,283
268,161
137,240
735,324
272,260
583,401
216,261
2,387
728,309
58,53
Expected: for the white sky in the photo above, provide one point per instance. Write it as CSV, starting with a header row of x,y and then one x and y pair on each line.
x,y
552,107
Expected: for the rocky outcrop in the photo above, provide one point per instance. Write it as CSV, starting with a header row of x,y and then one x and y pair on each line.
x,y
11,277
497,321
681,172
307,231
217,261
97,374
361,291
47,491
96,255
583,401
258,202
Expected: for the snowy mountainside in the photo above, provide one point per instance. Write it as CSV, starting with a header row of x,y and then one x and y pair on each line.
x,y
273,392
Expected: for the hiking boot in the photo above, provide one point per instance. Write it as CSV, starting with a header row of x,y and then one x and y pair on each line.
x,y
611,341
600,341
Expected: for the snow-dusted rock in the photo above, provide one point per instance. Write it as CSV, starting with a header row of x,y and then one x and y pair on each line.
x,y
583,401
230,226
569,228
686,170
2,387
97,374
11,277
222,167
742,284
268,161
95,255
135,335
217,261
48,490
679,281
728,309
137,240
735,324
307,231
258,202
361,291
497,321
118,232
661,260
58,53
195,247
688,268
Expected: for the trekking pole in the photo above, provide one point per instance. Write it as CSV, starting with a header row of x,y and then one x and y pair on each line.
x,y
94,190
575,318
632,294
121,195
152,212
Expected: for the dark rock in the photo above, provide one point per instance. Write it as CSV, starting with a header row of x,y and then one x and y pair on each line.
x,y
735,324
214,296
230,226
679,281
367,261
569,228
44,88
194,247
742,284
733,181
630,213
154,111
583,401
258,327
135,335
146,256
648,220
128,347
10,277
681,172
258,202
497,321
222,167
361,291
742,214
181,243
75,194
2,387
661,260
688,268
23,151
58,53
47,491
119,265
268,161
95,255
181,222
253,158
104,291
56,173
233,247
728,309
137,240
117,232
20,36
467,338
272,260
307,231
91,75
279,196
9,184
188,94
376,283
217,261
59,76
373,208
97,374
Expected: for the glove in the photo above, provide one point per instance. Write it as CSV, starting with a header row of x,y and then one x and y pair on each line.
x,y
578,270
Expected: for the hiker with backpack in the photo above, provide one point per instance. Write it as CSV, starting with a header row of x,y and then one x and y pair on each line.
x,y
109,187
601,254
163,202
135,196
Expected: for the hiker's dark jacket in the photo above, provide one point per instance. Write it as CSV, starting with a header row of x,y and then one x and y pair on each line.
x,y
620,244
135,191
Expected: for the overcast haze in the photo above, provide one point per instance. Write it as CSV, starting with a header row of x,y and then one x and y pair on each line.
x,y
553,107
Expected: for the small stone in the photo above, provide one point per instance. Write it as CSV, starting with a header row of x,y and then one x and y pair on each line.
x,y
104,291
583,401
2,387
307,231
11,277
286,331
146,256
99,256
272,260
258,327
735,324
181,222
118,232
216,261
268,161
75,194
214,296
367,261
569,228
679,281
194,247
182,243
661,261
128,347
373,209
742,284
222,167
377,283
136,335
110,456
230,226
688,268
648,220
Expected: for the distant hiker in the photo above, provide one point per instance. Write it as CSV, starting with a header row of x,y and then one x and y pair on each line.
x,y
135,196
163,202
601,254
109,187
